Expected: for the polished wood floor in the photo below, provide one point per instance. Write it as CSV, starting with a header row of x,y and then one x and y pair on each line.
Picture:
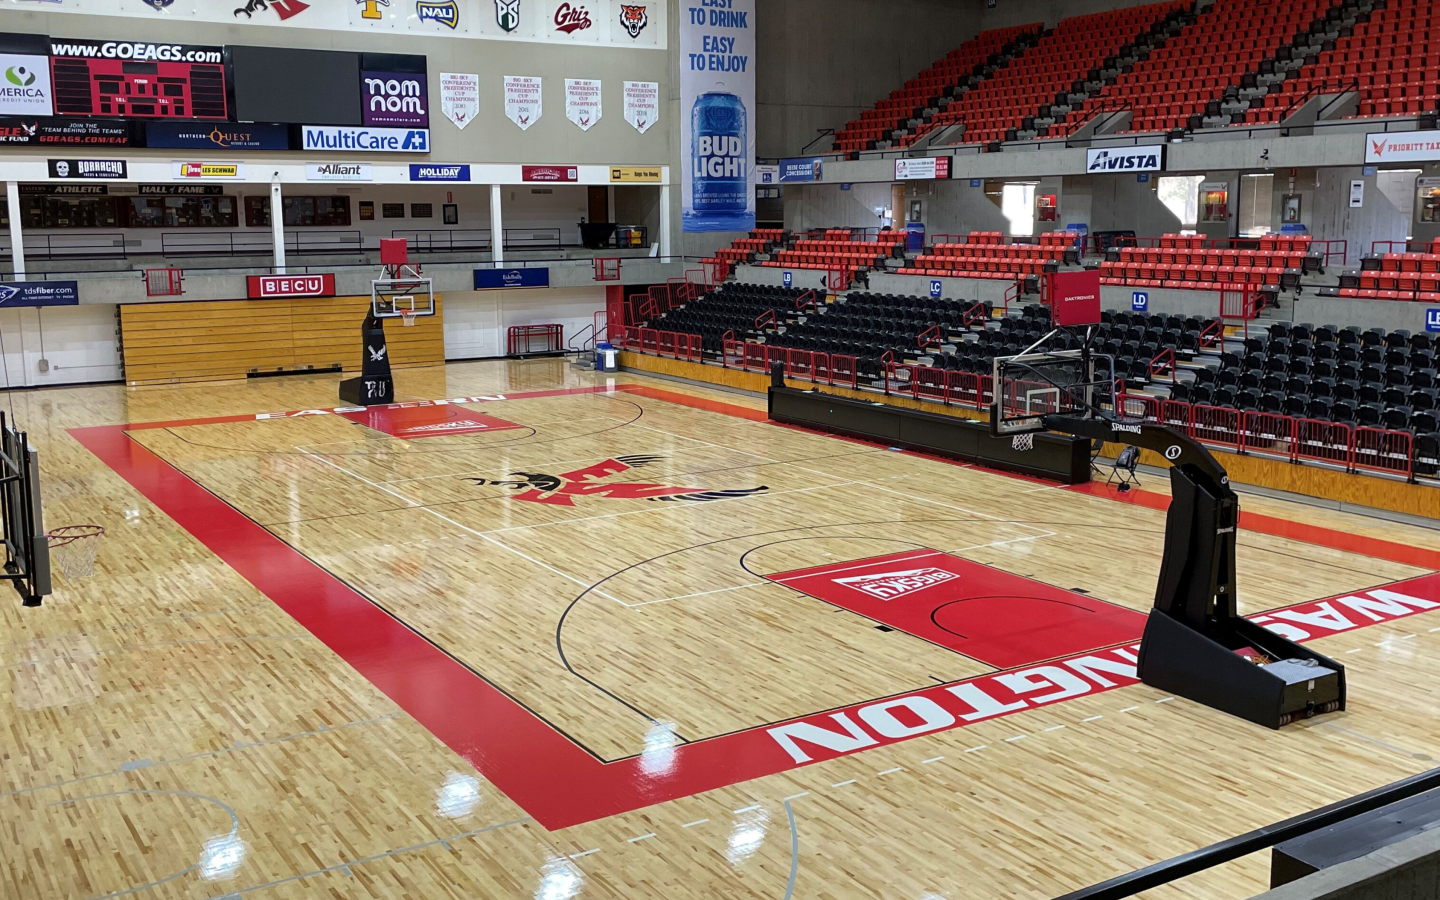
x,y
170,732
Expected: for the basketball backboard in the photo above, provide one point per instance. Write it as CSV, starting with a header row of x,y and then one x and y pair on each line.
x,y
393,298
1058,382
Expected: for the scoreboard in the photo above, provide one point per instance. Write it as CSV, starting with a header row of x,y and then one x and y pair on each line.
x,y
114,87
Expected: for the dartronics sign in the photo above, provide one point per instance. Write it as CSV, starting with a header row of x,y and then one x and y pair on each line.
x,y
1125,159
394,98
427,172
378,140
96,132
24,85
186,136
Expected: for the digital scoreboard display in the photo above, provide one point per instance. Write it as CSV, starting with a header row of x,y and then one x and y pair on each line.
x,y
136,80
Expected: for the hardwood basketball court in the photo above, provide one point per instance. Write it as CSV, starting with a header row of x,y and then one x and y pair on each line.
x,y
564,635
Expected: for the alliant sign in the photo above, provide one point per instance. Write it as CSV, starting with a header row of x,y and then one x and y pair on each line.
x,y
260,287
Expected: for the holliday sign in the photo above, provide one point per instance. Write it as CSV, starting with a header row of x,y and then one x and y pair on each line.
x,y
259,287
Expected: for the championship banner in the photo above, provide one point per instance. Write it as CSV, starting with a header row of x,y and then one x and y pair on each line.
x,y
642,104
582,101
717,97
522,100
459,97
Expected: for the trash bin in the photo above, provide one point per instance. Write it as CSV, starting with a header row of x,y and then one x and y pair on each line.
x,y
605,358
915,237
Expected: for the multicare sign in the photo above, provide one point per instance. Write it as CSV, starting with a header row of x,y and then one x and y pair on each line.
x,y
349,139
264,287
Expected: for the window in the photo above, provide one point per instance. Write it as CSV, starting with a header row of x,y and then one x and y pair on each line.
x,y
1017,204
300,212
422,211
392,210
1181,195
1257,205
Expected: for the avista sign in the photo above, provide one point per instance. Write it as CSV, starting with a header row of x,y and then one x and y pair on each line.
x,y
267,286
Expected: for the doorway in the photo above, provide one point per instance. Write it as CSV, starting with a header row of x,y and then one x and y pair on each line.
x,y
599,197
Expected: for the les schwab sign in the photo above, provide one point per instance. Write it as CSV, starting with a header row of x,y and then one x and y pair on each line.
x,y
261,287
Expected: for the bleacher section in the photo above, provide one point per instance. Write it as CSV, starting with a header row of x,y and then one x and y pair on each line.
x,y
839,251
731,309
1389,55
984,254
1042,78
1395,276
1191,261
962,68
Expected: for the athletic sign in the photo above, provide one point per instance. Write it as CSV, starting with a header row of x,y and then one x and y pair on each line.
x,y
1125,159
264,287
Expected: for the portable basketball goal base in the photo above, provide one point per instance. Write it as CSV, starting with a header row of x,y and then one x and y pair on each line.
x,y
403,293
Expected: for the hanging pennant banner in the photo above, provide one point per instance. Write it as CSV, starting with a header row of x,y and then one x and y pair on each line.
x,y
459,97
522,100
642,104
582,101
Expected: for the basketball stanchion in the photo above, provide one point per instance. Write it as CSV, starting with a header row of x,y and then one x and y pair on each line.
x,y
75,547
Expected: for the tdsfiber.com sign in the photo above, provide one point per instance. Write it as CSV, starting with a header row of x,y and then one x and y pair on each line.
x,y
1125,159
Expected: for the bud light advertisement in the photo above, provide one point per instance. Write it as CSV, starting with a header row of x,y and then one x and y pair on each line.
x,y
717,105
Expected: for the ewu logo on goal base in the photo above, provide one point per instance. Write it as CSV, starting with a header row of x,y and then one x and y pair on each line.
x,y
1125,159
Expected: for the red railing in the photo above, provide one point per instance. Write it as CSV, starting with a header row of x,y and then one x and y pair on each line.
x,y
1013,292
1405,247
807,301
837,279
974,314
801,365
1239,305
674,344
766,318
932,335
1162,365
1289,437
1212,335
521,340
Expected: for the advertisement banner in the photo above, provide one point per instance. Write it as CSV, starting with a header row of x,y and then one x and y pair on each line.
x,y
1075,297
25,85
436,172
95,132
219,136
924,169
459,97
227,170
1125,159
118,78
717,103
582,101
39,293
494,279
338,172
399,99
549,173
260,287
1405,146
349,139
522,100
810,168
635,174
87,168
642,104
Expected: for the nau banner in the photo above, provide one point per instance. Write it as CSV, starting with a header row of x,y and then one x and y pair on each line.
x,y
717,107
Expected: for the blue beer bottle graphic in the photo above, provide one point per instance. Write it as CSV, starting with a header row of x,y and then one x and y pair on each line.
x,y
720,170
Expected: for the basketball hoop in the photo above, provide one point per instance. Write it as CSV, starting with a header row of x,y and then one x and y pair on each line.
x,y
74,547
407,317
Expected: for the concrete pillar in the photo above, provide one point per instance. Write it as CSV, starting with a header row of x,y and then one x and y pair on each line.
x,y
497,226
664,220
17,248
277,225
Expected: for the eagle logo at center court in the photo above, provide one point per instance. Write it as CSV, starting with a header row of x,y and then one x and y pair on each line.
x,y
633,19
562,489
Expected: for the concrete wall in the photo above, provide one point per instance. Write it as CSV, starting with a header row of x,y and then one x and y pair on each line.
x,y
476,322
820,63
1023,12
